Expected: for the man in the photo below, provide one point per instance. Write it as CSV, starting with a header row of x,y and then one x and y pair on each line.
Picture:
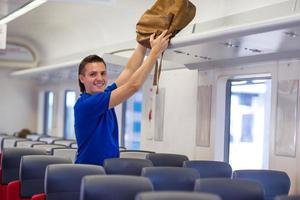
x,y
96,125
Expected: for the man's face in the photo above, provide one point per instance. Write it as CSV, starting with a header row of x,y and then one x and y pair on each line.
x,y
94,77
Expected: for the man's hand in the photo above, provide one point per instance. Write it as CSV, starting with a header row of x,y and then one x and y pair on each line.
x,y
159,44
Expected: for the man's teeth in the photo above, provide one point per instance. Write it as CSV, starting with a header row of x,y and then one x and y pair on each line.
x,y
100,84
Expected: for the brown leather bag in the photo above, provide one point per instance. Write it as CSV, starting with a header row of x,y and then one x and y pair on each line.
x,y
171,15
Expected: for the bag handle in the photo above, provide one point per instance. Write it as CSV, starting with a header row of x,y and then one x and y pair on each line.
x,y
157,72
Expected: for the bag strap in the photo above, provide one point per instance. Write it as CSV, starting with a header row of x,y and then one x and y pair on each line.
x,y
157,72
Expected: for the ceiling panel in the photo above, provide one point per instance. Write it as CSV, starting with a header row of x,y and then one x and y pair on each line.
x,y
9,6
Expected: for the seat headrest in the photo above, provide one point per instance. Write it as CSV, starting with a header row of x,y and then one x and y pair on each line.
x,y
11,158
209,168
174,195
165,159
229,189
274,182
32,173
62,181
126,166
288,197
171,178
113,187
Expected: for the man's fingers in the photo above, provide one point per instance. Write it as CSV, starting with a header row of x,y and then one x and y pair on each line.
x,y
163,33
152,36
169,35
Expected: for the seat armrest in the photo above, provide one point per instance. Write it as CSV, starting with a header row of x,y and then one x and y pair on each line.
x,y
39,197
13,190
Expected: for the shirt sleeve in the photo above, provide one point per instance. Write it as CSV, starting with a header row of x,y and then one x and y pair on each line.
x,y
111,87
96,104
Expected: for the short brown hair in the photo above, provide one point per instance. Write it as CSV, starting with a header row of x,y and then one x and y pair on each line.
x,y
83,63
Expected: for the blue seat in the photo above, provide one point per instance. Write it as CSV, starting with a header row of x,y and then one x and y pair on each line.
x,y
10,165
48,147
32,174
64,142
274,182
113,187
173,195
209,168
229,189
287,197
62,181
171,178
11,158
126,166
69,153
141,154
166,160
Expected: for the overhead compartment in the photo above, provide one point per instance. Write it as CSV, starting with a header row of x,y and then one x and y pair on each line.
x,y
272,39
68,70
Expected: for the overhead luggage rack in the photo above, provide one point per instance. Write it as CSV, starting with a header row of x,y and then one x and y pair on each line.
x,y
274,39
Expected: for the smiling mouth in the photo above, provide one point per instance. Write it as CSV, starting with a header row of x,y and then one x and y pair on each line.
x,y
101,84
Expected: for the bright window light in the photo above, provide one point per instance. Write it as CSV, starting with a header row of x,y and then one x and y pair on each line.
x,y
239,82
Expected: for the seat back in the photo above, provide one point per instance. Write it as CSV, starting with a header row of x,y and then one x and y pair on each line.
x,y
171,178
113,187
209,168
47,147
126,166
49,140
32,173
67,143
27,143
134,154
11,142
173,195
69,153
11,158
286,197
2,138
167,160
121,148
274,182
62,181
229,189
33,137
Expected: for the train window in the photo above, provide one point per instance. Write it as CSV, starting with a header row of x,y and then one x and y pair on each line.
x,y
70,98
48,112
247,122
131,125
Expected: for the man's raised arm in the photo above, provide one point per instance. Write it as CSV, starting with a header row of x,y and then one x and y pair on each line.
x,y
134,62
125,91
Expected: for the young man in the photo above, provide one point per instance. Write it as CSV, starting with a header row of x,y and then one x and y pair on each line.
x,y
96,125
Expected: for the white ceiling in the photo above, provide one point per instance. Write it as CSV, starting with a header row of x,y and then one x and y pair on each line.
x,y
58,28
64,30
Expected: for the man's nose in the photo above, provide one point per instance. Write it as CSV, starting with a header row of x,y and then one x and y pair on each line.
x,y
100,77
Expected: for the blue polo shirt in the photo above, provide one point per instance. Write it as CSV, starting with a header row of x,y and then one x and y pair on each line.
x,y
96,128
